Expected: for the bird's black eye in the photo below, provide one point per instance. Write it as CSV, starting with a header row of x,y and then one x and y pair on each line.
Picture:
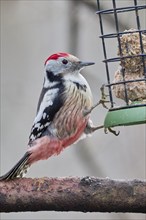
x,y
64,61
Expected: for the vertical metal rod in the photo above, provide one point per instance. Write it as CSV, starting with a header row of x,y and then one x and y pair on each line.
x,y
105,56
120,49
140,37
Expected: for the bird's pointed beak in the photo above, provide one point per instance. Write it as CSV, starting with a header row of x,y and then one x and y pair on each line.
x,y
83,64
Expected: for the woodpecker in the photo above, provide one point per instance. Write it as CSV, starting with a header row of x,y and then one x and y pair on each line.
x,y
63,112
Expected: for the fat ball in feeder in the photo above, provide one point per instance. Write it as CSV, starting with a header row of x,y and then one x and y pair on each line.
x,y
131,69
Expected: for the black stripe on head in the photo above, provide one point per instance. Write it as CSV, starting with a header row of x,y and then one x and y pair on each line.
x,y
53,78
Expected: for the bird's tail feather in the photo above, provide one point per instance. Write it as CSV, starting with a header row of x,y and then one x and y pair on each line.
x,y
19,170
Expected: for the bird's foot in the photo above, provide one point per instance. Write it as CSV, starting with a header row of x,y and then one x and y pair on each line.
x,y
102,101
112,131
90,129
104,96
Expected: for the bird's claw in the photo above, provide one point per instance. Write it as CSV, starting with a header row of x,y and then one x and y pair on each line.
x,y
103,97
92,129
112,131
102,101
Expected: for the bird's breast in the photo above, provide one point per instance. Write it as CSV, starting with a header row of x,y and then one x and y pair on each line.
x,y
70,122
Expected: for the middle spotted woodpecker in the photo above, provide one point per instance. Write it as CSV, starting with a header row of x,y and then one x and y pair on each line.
x,y
63,112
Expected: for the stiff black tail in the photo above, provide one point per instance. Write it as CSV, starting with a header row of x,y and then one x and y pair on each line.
x,y
19,170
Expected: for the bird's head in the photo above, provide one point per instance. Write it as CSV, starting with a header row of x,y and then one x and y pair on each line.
x,y
61,64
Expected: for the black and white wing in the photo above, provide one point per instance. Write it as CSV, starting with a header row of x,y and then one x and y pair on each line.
x,y
51,100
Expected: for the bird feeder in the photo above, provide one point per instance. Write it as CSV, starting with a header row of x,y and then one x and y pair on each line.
x,y
128,82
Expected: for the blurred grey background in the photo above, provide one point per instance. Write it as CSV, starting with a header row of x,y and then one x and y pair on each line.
x,y
30,32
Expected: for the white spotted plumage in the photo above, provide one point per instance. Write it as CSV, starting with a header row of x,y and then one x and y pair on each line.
x,y
60,120
46,102
58,80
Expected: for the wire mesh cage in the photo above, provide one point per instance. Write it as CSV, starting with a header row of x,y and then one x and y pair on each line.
x,y
128,83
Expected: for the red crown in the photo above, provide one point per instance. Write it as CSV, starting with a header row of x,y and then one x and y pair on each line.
x,y
56,56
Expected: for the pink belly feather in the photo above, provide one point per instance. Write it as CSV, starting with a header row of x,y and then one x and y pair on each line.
x,y
45,147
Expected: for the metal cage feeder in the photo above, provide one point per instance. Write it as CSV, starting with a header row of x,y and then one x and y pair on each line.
x,y
129,81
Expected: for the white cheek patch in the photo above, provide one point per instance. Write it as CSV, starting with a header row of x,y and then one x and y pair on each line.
x,y
53,66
